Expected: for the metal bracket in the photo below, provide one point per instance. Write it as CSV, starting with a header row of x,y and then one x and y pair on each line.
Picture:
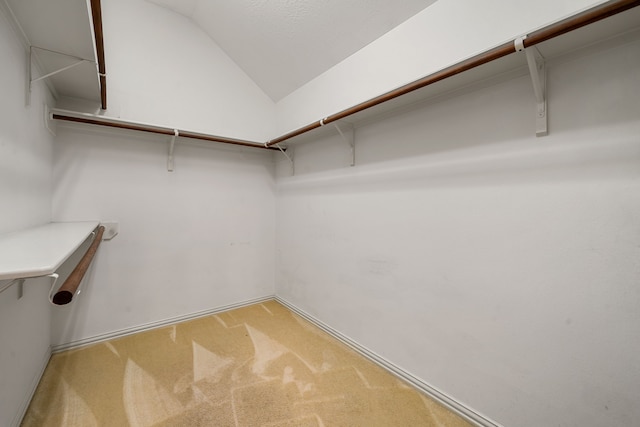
x,y
54,278
19,282
171,147
289,157
350,139
538,72
31,80
49,123
110,229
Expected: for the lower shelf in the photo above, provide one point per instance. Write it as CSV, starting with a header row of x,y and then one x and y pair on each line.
x,y
40,251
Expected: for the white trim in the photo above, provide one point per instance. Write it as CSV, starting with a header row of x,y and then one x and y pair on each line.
x,y
154,325
22,410
464,411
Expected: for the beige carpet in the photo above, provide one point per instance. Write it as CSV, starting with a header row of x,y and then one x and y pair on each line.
x,y
255,366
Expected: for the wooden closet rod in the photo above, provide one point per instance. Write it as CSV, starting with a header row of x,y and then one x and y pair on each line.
x,y
579,20
120,124
70,286
96,14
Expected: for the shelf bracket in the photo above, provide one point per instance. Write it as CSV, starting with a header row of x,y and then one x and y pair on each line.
x,y
538,72
30,78
53,278
289,157
349,137
110,229
49,124
19,282
172,144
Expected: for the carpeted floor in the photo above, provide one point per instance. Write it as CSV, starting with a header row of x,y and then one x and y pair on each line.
x,y
255,366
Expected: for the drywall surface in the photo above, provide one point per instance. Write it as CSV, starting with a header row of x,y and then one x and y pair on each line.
x,y
163,69
25,190
501,268
282,45
190,240
441,35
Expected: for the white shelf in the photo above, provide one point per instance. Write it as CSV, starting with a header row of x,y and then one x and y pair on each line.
x,y
598,36
41,250
62,26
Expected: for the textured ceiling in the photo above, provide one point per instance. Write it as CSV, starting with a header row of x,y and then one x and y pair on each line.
x,y
283,44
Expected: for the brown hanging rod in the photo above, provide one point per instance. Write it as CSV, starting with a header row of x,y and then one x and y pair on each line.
x,y
574,22
96,14
65,293
59,115
595,14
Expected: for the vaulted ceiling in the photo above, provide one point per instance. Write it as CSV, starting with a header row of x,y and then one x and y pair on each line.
x,y
283,44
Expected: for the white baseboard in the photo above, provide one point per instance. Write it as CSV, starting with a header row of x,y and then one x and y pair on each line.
x,y
446,400
154,325
17,420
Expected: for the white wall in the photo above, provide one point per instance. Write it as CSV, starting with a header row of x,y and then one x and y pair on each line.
x,y
190,240
25,191
497,267
163,69
513,260
441,35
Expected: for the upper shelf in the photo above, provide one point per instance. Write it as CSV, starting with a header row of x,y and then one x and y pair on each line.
x,y
608,24
41,250
598,30
53,28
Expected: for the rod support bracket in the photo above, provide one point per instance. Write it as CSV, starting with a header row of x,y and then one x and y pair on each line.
x,y
349,136
172,144
18,282
53,278
519,43
538,72
111,229
289,155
